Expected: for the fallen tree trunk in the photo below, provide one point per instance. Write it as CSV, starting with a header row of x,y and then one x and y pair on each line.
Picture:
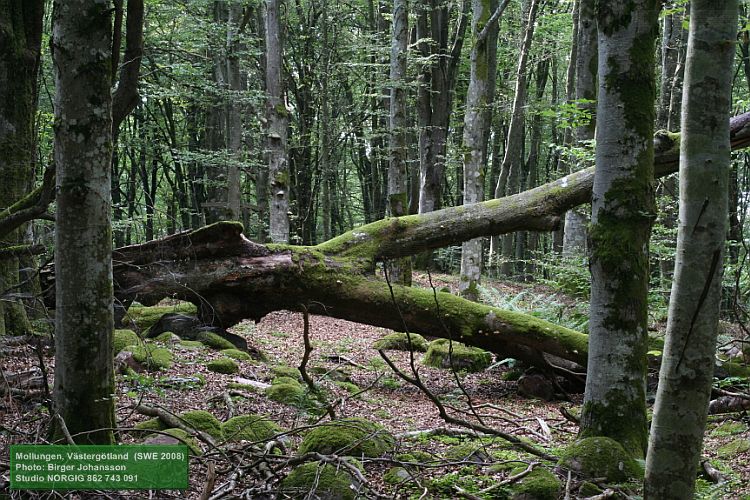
x,y
231,278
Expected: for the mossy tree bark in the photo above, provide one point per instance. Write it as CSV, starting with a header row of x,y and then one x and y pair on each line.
x,y
622,212
479,99
20,44
687,365
84,378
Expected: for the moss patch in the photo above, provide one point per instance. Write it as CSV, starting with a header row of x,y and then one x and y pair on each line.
x,y
600,457
215,341
152,357
539,484
733,448
284,380
286,371
236,354
316,480
145,317
463,357
469,451
350,436
152,424
400,342
223,365
288,394
123,338
168,338
203,421
729,429
396,475
250,428
193,446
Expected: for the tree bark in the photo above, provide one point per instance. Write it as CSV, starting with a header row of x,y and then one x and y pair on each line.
x,y
20,44
622,213
686,371
276,114
84,378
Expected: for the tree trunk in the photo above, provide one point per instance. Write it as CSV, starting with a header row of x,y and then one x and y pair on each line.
x,y
477,121
234,116
622,212
20,44
510,171
278,166
398,197
84,377
686,371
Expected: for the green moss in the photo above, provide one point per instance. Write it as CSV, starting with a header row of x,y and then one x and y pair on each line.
x,y
145,317
284,380
588,489
349,387
123,338
463,357
203,421
469,451
215,341
729,429
236,354
396,475
223,365
733,448
152,357
193,447
350,436
152,424
625,421
399,341
168,338
250,427
600,457
539,484
316,480
286,371
191,344
415,456
289,394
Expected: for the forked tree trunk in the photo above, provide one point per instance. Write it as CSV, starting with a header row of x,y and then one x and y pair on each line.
x,y
84,377
622,212
690,346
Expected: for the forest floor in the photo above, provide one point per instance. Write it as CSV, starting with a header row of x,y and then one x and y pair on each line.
x,y
344,351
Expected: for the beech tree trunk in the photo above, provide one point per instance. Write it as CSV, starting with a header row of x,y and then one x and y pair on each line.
x,y
687,366
622,213
84,377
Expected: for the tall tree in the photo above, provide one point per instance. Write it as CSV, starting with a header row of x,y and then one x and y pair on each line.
x,y
477,120
20,44
622,213
84,378
276,115
398,197
687,365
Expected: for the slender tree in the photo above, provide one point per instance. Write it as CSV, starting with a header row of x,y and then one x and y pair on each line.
x,y
622,213
687,365
84,378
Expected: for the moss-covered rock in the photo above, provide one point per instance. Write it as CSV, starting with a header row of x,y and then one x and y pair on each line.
x,y
152,357
144,317
284,380
588,489
250,427
214,341
152,424
168,338
733,448
203,421
469,452
397,475
288,394
350,436
601,457
349,387
236,354
416,457
223,365
286,371
400,342
470,359
124,338
539,484
322,481
337,374
193,447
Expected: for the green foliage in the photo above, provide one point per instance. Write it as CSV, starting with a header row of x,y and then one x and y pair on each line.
x,y
223,365
445,354
250,427
399,341
350,436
